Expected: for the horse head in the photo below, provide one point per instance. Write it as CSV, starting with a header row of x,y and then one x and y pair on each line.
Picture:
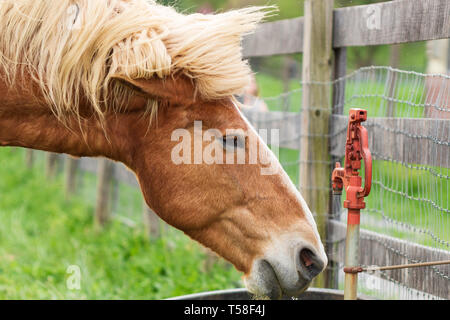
x,y
196,172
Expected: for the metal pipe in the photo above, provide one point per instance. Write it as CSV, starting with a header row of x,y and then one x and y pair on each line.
x,y
399,266
352,254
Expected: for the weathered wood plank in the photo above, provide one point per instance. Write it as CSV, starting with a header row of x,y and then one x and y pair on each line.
x,y
416,141
70,175
51,164
125,175
383,250
278,37
340,70
104,180
421,141
381,23
152,223
314,168
29,158
391,22
88,164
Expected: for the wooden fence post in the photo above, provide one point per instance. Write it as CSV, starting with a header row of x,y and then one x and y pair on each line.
x,y
438,56
70,168
210,260
104,180
51,164
340,70
286,80
29,158
315,170
152,223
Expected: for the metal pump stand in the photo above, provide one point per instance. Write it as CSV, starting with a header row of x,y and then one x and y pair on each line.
x,y
348,177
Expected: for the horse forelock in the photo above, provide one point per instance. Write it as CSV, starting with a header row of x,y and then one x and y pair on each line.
x,y
74,49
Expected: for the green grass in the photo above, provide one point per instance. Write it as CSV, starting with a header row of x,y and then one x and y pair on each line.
x,y
41,234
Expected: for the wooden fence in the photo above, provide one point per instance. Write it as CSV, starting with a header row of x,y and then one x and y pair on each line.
x,y
400,22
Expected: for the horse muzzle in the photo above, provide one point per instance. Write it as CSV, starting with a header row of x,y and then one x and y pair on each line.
x,y
287,273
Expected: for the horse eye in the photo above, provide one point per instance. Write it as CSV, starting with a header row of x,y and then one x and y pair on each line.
x,y
233,142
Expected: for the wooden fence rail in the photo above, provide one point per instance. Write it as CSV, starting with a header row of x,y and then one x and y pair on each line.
x,y
391,23
406,140
382,23
278,37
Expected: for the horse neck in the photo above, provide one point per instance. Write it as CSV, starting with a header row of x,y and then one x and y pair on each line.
x,y
26,121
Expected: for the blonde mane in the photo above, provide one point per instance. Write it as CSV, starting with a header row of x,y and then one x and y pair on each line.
x,y
75,49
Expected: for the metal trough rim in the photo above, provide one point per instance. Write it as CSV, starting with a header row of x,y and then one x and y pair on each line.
x,y
216,294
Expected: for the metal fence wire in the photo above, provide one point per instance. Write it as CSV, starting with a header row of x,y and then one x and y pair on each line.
x,y
406,219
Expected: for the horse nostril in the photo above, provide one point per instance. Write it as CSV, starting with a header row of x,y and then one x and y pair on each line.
x,y
310,264
306,257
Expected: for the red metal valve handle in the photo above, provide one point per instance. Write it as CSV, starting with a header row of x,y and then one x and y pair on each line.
x,y
356,149
367,156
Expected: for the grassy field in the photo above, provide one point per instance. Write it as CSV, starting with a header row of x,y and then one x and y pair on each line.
x,y
42,234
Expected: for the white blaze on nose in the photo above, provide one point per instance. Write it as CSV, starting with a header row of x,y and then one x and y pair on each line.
x,y
289,185
282,250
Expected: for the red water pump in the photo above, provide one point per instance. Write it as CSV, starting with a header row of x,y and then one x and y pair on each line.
x,y
356,149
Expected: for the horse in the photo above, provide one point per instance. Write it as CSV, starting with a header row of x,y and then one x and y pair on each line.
x,y
116,79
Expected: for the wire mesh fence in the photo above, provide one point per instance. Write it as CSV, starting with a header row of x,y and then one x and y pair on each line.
x,y
410,192
406,219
